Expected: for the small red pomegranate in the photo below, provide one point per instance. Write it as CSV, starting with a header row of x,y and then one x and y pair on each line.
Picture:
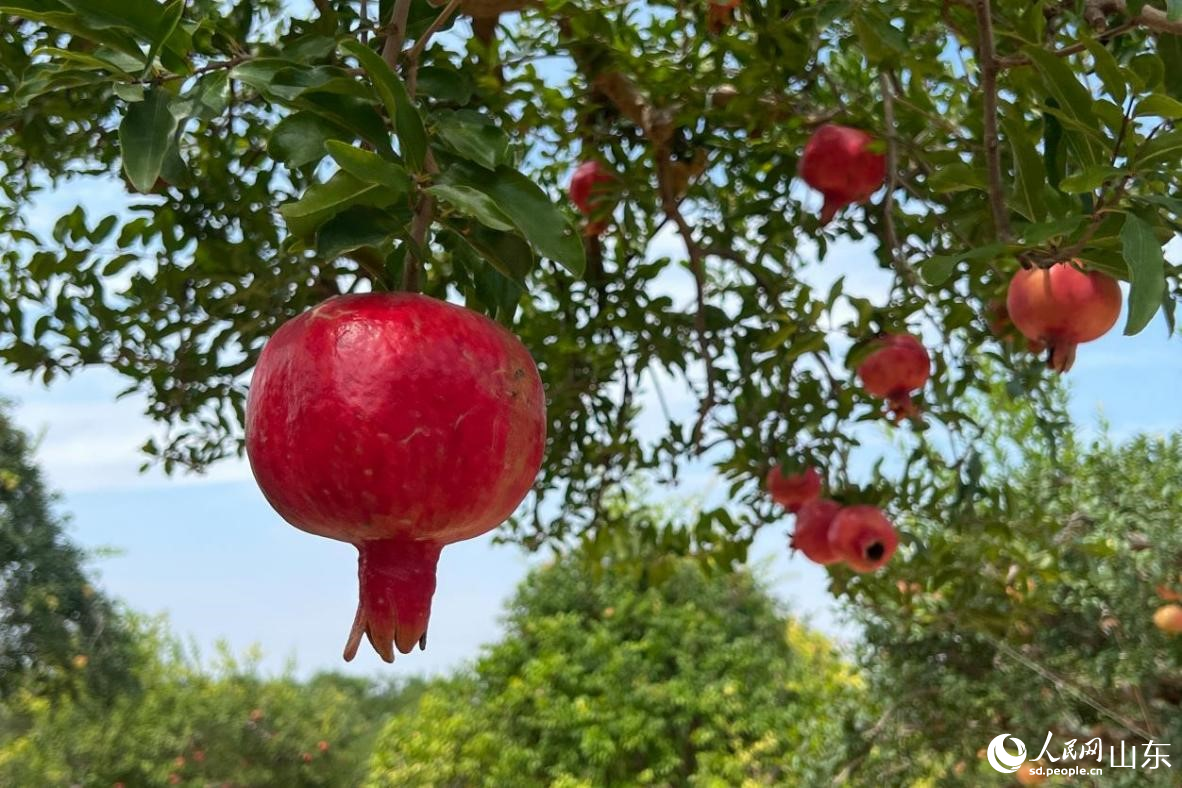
x,y
1003,328
721,15
863,537
1168,618
898,366
590,188
793,490
838,162
401,424
811,536
1063,307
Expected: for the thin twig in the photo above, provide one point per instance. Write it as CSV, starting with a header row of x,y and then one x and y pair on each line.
x,y
412,76
396,32
1073,49
904,269
988,65
364,34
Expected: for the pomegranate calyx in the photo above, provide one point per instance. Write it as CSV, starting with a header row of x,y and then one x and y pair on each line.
x,y
397,578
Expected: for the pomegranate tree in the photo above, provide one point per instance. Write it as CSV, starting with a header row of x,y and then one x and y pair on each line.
x,y
863,537
811,536
897,366
400,424
1062,307
589,191
793,490
840,162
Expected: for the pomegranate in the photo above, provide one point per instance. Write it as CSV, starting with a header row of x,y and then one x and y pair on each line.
x,y
998,318
838,163
794,490
863,537
589,191
400,424
1168,618
812,531
898,366
721,15
1062,307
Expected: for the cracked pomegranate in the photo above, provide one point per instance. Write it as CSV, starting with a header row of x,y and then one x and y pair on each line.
x,y
838,162
794,490
589,191
401,424
898,366
1062,307
811,536
863,537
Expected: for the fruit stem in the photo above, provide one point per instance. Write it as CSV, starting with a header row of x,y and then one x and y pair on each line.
x,y
397,581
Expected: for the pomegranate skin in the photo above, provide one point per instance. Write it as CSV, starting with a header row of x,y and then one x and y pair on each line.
x,y
811,536
1168,618
899,366
794,490
863,537
589,187
1062,307
398,423
837,163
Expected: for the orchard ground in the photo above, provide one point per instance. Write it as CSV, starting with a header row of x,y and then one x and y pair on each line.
x,y
209,551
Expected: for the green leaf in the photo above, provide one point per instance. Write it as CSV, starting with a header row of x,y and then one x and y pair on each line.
x,y
144,136
1073,99
547,228
1147,71
956,177
170,17
937,269
359,117
1159,105
369,167
445,85
474,204
474,137
322,201
354,228
1174,10
1029,171
1143,254
408,125
300,138
507,252
1169,49
1107,69
1089,179
129,93
1167,147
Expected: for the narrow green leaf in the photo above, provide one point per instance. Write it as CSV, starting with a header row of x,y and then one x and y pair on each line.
x,y
474,204
956,177
547,228
144,137
408,124
1089,179
507,252
299,138
129,93
1169,49
1107,69
1143,254
322,201
474,137
1159,105
1029,172
369,167
1073,99
354,228
170,17
937,269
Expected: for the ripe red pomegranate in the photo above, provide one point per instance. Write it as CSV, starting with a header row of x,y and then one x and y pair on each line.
x,y
401,424
794,490
589,191
898,366
1168,618
811,536
1063,307
838,163
863,537
1003,328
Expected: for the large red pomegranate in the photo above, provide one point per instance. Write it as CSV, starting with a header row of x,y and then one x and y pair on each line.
x,y
590,188
1062,307
401,424
811,536
839,163
898,366
863,537
793,490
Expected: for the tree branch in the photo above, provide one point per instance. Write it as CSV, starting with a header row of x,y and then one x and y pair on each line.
x,y
904,269
1150,17
412,76
988,65
396,32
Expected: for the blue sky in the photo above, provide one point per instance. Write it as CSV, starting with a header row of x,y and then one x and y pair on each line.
x,y
211,554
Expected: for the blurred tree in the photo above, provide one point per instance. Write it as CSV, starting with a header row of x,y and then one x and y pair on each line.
x,y
57,633
199,725
1024,605
606,679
